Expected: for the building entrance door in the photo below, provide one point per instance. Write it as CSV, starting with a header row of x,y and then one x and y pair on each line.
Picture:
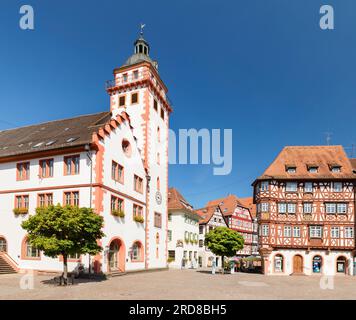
x,y
298,264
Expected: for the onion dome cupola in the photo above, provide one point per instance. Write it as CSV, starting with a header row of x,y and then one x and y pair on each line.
x,y
141,51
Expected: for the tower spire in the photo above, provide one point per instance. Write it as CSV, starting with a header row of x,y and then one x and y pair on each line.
x,y
142,25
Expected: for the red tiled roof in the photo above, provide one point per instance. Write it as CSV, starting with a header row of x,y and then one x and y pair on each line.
x,y
353,163
177,202
205,214
227,204
303,157
248,203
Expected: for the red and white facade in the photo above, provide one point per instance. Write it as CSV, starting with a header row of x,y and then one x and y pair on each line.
x,y
239,218
306,208
115,160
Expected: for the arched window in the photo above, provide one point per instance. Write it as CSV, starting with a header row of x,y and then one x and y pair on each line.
x,y
341,265
317,264
158,184
126,147
3,245
157,253
137,252
278,263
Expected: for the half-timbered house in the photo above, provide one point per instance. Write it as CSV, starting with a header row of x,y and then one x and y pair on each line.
x,y
211,217
238,218
305,207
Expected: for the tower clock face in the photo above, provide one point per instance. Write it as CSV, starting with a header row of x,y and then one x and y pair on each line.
x,y
158,197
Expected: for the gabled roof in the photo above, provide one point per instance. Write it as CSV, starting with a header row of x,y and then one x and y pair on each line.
x,y
227,205
303,157
206,214
248,203
177,202
71,132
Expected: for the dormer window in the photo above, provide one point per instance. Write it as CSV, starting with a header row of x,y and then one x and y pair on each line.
x,y
335,168
291,168
313,169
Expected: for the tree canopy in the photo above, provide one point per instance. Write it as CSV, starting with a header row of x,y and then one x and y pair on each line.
x,y
68,230
223,241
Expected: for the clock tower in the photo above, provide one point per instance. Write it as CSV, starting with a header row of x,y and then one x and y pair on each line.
x,y
138,90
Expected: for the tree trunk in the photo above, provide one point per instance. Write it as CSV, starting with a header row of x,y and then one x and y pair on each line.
x,y
223,264
65,269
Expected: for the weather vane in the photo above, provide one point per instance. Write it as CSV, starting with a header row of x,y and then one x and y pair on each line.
x,y
141,27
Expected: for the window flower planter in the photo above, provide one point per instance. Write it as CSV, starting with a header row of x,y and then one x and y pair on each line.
x,y
118,213
139,219
19,211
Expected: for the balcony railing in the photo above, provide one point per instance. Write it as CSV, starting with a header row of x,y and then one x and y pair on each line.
x,y
123,79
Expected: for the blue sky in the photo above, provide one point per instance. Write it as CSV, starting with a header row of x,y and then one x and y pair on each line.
x,y
263,68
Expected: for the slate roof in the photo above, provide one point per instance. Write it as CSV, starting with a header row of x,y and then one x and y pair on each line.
x,y
303,157
76,131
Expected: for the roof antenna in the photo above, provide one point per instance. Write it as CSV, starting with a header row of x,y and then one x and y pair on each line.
x,y
328,137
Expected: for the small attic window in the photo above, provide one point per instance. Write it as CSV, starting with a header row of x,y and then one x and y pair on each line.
x,y
72,140
49,143
38,145
313,169
335,169
291,169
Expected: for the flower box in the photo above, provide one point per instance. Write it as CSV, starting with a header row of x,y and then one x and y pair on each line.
x,y
118,213
19,211
139,219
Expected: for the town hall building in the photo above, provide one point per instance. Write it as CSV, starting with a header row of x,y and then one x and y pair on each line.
x,y
115,162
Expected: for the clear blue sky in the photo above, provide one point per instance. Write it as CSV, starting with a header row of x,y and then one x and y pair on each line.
x,y
263,68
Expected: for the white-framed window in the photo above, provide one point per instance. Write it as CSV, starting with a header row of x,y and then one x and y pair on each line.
x,y
315,231
264,207
330,207
292,170
337,186
291,207
313,169
265,230
307,207
282,207
287,231
341,208
308,187
291,186
296,232
335,232
264,186
169,235
349,232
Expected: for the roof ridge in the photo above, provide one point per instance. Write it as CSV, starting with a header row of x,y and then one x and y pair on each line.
x,y
57,120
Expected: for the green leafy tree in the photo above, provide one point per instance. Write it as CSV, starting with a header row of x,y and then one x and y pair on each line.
x,y
65,231
224,242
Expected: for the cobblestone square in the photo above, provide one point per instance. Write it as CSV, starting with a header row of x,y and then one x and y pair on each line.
x,y
185,284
